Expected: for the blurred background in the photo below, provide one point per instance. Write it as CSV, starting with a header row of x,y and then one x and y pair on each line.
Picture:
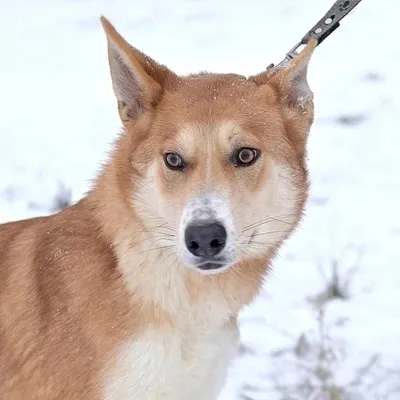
x,y
327,325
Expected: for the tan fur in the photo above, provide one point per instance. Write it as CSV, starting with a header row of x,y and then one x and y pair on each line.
x,y
94,299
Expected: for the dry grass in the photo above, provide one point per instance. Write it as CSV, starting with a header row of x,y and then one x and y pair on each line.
x,y
318,365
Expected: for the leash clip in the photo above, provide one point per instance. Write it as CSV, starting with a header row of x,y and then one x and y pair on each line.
x,y
325,26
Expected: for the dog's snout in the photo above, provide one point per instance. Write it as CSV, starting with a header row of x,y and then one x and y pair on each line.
x,y
206,239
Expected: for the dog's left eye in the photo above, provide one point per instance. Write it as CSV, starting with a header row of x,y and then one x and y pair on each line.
x,y
174,161
245,156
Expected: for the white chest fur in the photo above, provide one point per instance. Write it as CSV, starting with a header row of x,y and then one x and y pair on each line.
x,y
178,365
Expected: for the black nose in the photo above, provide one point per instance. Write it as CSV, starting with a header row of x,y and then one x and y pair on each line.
x,y
205,239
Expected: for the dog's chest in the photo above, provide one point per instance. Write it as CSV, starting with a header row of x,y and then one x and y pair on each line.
x,y
189,364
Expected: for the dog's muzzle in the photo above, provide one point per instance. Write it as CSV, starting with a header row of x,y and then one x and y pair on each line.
x,y
207,234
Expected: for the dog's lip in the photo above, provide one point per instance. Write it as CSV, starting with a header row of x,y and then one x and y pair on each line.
x,y
211,264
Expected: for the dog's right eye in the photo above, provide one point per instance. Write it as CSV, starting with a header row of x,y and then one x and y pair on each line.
x,y
174,161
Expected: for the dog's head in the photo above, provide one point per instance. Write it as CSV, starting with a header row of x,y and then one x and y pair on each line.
x,y
212,164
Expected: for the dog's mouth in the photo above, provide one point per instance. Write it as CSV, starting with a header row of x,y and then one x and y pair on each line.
x,y
210,265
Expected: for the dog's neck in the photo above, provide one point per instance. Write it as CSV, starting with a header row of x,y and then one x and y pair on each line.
x,y
164,286
158,282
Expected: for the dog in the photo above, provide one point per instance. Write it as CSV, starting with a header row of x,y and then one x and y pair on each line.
x,y
134,291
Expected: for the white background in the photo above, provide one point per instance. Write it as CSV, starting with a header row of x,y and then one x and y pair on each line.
x,y
58,117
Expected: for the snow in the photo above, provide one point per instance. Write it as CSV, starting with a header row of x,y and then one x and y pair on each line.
x,y
58,118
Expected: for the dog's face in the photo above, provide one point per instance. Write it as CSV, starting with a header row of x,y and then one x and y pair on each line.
x,y
215,162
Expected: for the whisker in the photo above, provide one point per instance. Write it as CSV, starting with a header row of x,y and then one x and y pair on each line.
x,y
157,239
248,278
175,260
156,248
264,221
165,250
161,233
151,230
266,233
173,253
261,244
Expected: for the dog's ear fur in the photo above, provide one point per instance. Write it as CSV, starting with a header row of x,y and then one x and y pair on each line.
x,y
290,80
138,81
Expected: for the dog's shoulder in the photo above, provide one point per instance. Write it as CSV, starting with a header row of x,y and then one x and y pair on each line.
x,y
47,259
59,292
72,234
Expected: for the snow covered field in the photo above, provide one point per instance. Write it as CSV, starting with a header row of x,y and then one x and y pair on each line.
x,y
303,335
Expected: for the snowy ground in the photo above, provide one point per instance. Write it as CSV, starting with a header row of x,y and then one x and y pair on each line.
x,y
58,117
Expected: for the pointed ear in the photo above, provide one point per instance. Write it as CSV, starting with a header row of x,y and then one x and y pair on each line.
x,y
138,81
290,80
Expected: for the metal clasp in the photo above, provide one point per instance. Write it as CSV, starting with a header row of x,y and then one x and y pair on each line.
x,y
325,26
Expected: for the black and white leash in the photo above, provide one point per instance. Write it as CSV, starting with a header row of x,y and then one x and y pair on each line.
x,y
325,26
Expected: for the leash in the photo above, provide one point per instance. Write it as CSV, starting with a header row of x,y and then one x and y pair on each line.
x,y
325,26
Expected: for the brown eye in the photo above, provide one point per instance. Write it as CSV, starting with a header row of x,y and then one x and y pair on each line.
x,y
174,161
245,156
